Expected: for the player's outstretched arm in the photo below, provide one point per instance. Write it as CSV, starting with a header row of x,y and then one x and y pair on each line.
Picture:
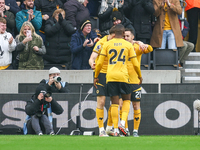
x,y
93,56
148,49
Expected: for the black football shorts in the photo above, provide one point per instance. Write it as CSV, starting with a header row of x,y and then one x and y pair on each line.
x,y
101,86
118,88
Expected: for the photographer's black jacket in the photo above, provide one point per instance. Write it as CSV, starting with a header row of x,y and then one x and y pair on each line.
x,y
33,106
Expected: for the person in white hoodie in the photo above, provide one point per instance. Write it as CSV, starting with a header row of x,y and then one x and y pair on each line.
x,y
7,45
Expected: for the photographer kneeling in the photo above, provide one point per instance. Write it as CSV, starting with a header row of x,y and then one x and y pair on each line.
x,y
40,109
54,83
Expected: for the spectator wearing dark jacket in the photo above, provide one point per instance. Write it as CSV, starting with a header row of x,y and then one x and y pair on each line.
x,y
188,46
12,6
82,44
39,109
105,19
58,33
140,12
93,6
9,16
76,11
47,7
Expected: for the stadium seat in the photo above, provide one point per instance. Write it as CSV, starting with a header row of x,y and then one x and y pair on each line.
x,y
146,61
95,22
165,59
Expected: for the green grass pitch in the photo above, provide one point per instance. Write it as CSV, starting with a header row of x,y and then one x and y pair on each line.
x,y
63,142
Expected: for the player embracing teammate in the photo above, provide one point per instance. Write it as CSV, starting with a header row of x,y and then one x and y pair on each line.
x,y
118,51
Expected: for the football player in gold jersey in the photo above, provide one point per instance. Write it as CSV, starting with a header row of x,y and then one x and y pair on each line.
x,y
118,51
136,92
101,85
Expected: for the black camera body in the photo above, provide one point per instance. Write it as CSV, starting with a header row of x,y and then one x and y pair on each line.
x,y
46,94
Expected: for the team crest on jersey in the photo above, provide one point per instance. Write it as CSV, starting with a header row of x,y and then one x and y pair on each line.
x,y
98,47
97,91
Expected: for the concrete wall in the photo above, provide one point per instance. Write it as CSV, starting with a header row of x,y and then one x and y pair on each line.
x,y
9,79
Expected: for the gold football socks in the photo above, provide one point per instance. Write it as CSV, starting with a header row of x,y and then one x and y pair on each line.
x,y
125,111
115,115
137,118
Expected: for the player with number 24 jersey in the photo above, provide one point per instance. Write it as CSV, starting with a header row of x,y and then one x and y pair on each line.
x,y
118,52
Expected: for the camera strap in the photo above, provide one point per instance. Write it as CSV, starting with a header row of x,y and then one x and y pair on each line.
x,y
42,108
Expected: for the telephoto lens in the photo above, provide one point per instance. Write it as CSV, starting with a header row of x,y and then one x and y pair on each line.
x,y
57,79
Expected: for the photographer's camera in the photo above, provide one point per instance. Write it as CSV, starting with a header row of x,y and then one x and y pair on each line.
x,y
57,79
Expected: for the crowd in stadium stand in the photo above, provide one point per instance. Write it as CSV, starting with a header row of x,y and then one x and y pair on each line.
x,y
40,34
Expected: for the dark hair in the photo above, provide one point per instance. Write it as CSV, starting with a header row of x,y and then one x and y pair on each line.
x,y
119,29
128,29
2,20
112,30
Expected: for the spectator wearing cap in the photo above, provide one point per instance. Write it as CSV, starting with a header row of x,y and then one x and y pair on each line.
x,y
39,110
54,83
82,44
118,18
76,11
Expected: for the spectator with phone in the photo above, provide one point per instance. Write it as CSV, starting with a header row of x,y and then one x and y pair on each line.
x,y
29,14
30,48
54,83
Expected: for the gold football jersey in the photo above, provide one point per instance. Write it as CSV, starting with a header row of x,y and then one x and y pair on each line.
x,y
118,51
97,49
131,70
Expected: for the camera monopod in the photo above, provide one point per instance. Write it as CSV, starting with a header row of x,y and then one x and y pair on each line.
x,y
78,120
78,130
